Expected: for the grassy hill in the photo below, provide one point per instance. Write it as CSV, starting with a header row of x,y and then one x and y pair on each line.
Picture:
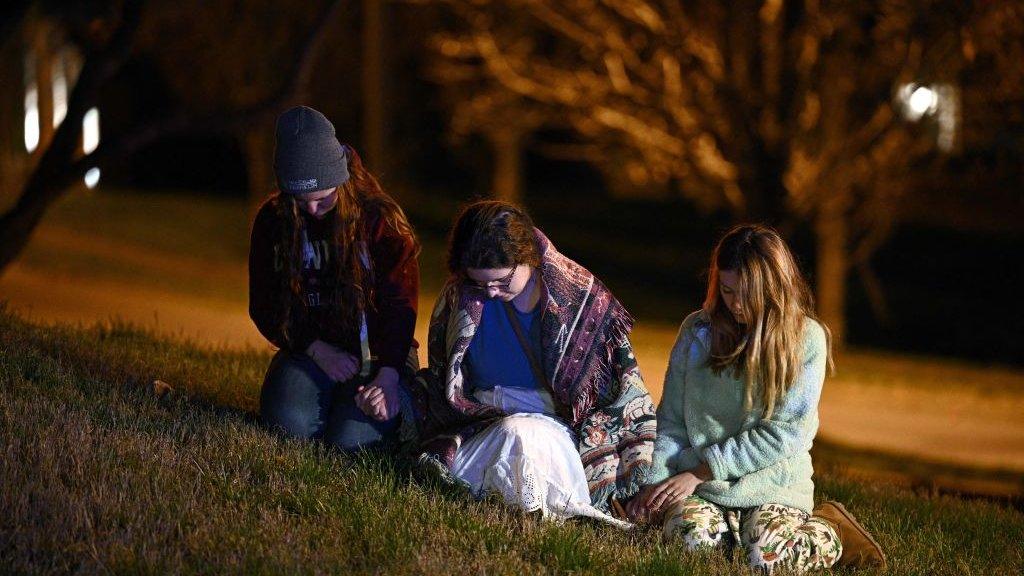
x,y
101,475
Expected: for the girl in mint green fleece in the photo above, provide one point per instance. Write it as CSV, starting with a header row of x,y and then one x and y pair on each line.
x,y
740,410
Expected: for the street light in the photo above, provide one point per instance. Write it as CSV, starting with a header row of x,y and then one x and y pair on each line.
x,y
940,102
91,141
917,101
923,100
92,178
31,119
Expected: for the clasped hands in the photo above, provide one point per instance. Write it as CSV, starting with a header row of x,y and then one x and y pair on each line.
x,y
378,399
653,500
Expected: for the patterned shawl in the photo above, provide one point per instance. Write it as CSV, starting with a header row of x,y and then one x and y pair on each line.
x,y
588,359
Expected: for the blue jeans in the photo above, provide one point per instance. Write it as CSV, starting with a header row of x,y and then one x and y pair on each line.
x,y
299,399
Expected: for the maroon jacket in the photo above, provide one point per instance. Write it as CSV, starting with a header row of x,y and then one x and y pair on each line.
x,y
391,320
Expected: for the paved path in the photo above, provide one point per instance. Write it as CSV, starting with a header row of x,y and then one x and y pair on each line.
x,y
934,415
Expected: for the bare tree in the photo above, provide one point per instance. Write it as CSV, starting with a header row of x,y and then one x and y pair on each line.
x,y
774,110
503,118
374,83
216,59
13,159
109,41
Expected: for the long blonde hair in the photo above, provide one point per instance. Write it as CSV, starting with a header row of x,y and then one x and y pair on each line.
x,y
776,301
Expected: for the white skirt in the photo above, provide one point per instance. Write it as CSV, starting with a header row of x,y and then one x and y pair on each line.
x,y
531,460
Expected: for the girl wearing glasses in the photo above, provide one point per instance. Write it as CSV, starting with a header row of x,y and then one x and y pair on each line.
x,y
532,389
333,283
739,413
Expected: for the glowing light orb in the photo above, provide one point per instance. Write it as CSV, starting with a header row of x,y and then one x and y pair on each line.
x,y
60,93
31,119
92,178
91,131
923,100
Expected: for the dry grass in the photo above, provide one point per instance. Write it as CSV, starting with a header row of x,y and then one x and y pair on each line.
x,y
100,475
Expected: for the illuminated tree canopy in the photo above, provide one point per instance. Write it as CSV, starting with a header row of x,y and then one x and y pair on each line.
x,y
771,109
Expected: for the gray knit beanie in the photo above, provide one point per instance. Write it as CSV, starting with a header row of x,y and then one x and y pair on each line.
x,y
307,155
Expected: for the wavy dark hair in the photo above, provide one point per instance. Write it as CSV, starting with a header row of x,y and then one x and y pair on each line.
x,y
491,234
359,197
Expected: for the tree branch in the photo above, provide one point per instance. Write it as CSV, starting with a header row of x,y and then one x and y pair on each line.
x,y
290,92
58,169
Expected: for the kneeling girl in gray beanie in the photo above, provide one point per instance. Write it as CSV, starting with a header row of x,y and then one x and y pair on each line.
x,y
334,284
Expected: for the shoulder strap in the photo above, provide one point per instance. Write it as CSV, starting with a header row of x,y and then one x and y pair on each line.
x,y
364,333
538,372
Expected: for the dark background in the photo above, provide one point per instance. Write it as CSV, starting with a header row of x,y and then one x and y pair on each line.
x,y
948,270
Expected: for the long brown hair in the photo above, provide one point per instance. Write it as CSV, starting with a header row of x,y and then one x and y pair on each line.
x,y
358,197
776,301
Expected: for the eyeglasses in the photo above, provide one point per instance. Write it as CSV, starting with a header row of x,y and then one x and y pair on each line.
x,y
502,283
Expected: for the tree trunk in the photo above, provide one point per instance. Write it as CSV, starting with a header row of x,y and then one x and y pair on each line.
x,y
831,234
259,152
13,158
17,224
43,56
761,182
374,90
56,169
507,146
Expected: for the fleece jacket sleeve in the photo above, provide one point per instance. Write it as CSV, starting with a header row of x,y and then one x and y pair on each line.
x,y
673,451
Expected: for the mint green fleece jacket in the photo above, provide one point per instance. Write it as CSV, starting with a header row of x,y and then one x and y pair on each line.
x,y
701,419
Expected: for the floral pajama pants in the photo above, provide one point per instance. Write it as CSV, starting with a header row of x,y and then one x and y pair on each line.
x,y
771,535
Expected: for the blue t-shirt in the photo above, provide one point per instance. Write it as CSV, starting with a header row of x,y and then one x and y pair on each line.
x,y
495,357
